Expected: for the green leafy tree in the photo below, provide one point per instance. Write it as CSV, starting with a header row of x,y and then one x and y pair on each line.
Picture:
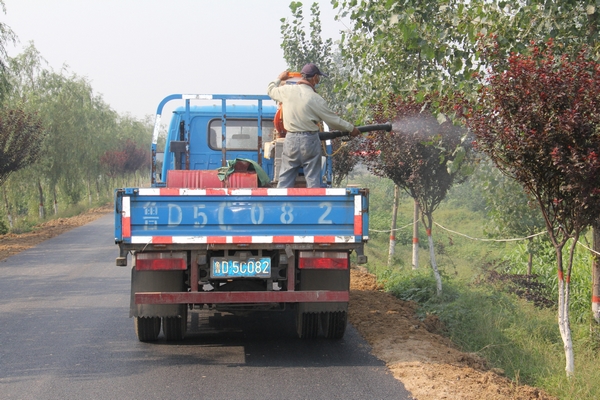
x,y
23,132
7,37
21,136
78,124
432,46
538,121
510,211
301,47
410,47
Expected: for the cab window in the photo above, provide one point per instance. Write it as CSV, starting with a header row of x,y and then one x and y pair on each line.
x,y
242,134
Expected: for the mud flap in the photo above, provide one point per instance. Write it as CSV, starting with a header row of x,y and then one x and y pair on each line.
x,y
156,281
323,280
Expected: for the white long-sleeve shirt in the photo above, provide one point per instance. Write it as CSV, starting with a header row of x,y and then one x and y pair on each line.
x,y
303,108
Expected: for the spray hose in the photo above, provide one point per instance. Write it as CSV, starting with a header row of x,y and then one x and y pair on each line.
x,y
365,128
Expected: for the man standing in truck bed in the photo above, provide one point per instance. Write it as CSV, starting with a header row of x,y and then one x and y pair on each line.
x,y
303,109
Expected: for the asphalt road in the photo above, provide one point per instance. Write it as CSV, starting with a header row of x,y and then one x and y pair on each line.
x,y
65,334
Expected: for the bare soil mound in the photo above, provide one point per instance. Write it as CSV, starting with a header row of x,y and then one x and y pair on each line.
x,y
427,363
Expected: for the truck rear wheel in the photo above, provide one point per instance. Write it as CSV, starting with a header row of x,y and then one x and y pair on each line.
x,y
334,324
174,328
147,328
307,325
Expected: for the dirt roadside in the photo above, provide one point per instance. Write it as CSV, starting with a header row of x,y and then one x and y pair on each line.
x,y
427,363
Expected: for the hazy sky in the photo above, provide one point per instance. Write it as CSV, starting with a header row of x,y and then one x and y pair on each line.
x,y
136,52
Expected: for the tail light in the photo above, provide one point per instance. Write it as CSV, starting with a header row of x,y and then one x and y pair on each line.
x,y
322,260
176,261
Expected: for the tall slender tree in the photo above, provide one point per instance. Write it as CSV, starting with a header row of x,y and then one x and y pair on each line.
x,y
7,37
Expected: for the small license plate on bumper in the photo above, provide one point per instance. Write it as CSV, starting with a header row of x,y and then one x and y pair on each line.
x,y
248,268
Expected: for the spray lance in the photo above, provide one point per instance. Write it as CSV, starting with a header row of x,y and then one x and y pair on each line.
x,y
365,128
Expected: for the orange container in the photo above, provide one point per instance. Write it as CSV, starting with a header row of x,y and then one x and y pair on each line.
x,y
278,119
193,179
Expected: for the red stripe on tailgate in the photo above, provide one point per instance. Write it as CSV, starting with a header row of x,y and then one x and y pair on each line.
x,y
126,226
169,191
358,225
306,192
283,239
324,239
162,239
241,239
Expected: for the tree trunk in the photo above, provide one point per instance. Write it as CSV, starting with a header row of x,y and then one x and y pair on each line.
x,y
392,248
415,241
8,209
563,315
98,189
596,275
55,200
41,211
530,256
436,272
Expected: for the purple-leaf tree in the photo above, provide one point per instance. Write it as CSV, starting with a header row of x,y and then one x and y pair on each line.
x,y
423,155
538,119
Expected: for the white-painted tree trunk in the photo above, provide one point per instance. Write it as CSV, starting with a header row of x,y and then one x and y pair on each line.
x,y
436,272
596,275
415,241
564,325
392,248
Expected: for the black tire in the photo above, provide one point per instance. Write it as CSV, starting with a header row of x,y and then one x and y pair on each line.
x,y
307,325
175,328
147,328
334,324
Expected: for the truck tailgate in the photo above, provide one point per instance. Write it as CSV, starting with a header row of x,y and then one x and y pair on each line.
x,y
219,216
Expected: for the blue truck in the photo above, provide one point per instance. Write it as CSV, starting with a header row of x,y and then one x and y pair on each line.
x,y
213,232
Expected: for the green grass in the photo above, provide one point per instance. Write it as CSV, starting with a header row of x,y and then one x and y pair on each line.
x,y
482,317
28,223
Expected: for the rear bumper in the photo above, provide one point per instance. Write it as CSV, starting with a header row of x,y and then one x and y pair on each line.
x,y
312,296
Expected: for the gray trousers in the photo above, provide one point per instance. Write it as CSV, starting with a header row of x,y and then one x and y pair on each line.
x,y
301,150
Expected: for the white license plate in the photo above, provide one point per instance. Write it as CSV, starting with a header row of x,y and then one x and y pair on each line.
x,y
249,268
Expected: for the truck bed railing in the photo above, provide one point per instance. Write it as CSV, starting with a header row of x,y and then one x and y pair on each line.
x,y
223,98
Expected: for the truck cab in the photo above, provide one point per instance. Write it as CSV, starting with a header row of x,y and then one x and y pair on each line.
x,y
200,139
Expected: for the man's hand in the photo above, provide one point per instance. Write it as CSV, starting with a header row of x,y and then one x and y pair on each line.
x,y
284,76
355,132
